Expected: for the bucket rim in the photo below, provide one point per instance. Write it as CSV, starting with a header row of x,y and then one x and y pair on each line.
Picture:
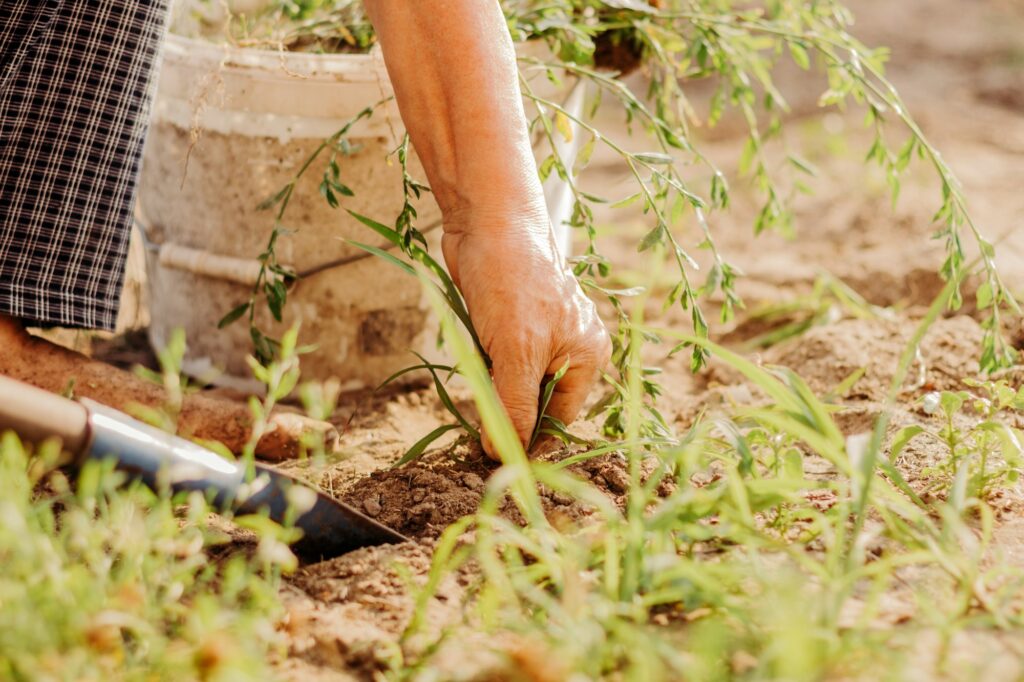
x,y
352,67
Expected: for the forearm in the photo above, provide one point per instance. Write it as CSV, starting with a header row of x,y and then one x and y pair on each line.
x,y
455,77
453,67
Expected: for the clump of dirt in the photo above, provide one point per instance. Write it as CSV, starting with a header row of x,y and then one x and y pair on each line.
x,y
826,356
608,473
951,350
367,576
421,499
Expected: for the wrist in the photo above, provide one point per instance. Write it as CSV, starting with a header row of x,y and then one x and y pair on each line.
x,y
498,218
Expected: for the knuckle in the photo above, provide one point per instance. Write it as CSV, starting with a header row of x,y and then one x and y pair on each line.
x,y
516,346
595,349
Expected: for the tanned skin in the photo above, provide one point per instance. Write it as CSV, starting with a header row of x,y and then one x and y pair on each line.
x,y
453,67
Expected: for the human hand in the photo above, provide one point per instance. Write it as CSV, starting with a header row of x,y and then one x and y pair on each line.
x,y
530,314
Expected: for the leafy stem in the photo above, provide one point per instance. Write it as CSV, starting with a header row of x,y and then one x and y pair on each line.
x,y
273,279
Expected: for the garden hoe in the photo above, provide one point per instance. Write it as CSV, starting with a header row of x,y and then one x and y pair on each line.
x,y
93,431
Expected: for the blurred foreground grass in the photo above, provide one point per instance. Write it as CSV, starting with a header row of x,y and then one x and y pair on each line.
x,y
98,583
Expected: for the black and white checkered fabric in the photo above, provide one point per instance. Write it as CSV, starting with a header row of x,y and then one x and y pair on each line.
x,y
75,79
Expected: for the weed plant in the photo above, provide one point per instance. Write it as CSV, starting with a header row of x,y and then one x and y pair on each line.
x,y
980,457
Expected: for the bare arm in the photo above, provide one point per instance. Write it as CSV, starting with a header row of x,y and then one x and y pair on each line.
x,y
454,71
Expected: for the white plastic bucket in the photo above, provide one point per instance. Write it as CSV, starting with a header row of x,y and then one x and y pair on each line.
x,y
244,121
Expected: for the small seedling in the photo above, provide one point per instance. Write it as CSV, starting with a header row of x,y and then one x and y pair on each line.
x,y
982,456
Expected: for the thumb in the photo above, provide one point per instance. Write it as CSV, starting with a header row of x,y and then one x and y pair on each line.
x,y
518,385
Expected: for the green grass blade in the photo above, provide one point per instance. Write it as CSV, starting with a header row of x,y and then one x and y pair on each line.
x,y
413,368
446,399
383,230
549,390
381,253
423,443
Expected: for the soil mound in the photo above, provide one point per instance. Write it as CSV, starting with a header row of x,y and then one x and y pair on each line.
x,y
826,356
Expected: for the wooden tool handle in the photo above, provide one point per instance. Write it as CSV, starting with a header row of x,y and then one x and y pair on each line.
x,y
35,415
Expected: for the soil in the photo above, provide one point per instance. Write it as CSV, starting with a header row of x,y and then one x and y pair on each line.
x,y
422,499
208,417
961,74
826,356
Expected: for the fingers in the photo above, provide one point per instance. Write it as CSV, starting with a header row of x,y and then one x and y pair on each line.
x,y
571,392
518,376
517,381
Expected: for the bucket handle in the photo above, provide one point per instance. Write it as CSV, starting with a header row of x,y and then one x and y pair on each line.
x,y
229,268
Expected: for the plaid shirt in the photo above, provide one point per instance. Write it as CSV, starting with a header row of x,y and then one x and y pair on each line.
x,y
75,89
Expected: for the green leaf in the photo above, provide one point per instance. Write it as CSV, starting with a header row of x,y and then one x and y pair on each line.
x,y
803,165
274,199
328,193
844,387
627,201
793,464
545,168
413,368
563,125
277,295
951,402
446,400
747,156
381,229
654,158
903,437
655,236
273,302
235,313
800,56
344,189
583,156
423,443
262,346
984,295
549,390
381,253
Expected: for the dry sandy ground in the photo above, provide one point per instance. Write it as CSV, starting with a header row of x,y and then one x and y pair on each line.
x,y
960,66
